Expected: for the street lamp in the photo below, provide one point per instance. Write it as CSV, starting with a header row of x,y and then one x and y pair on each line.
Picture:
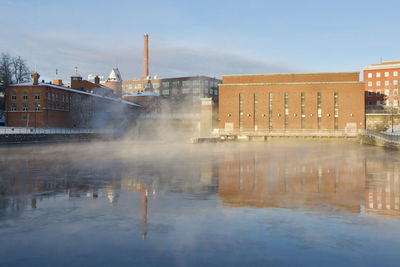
x,y
36,109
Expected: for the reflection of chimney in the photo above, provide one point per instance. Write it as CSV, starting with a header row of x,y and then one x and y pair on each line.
x,y
144,211
146,57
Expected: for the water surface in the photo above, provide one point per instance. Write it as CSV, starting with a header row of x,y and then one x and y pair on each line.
x,y
153,203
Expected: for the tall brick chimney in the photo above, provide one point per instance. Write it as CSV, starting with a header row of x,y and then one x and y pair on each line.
x,y
146,57
35,77
97,80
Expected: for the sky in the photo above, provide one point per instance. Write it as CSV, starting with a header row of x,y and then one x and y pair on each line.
x,y
205,37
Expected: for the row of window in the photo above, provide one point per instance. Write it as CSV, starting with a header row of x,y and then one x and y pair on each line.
x,y
395,102
387,92
55,96
175,91
286,110
24,107
174,84
24,96
387,83
386,73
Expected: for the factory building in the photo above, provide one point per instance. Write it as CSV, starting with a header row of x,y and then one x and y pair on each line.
x,y
53,105
382,84
291,102
182,92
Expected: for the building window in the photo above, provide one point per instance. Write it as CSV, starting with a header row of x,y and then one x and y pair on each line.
x,y
175,91
395,73
395,91
370,84
196,90
156,85
378,103
25,96
369,75
156,91
378,74
196,82
386,74
369,93
147,85
387,92
215,92
286,101
369,103
13,107
336,106
395,102
378,83
395,82
185,90
37,96
24,107
386,83
56,96
211,91
175,83
240,112
13,96
319,109
37,107
186,83
270,112
255,112
206,82
165,92
138,86
165,84
206,90
303,109
378,92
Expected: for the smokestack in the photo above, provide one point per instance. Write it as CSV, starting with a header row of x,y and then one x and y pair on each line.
x,y
146,57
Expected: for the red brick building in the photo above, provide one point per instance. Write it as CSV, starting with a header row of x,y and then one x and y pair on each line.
x,y
49,105
381,84
291,102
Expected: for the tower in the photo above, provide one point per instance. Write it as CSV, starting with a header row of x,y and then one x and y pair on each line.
x,y
145,57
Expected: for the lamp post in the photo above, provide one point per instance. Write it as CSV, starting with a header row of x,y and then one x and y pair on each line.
x,y
36,109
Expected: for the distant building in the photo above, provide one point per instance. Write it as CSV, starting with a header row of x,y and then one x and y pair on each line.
x,y
291,102
183,93
381,84
114,81
53,105
90,87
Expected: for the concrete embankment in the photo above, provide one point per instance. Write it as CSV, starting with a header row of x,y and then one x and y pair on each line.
x,y
380,139
6,139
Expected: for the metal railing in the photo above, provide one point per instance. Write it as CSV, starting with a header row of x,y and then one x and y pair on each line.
x,y
393,138
249,132
37,130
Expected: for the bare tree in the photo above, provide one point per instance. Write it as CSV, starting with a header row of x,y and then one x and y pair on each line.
x,y
5,69
13,70
20,72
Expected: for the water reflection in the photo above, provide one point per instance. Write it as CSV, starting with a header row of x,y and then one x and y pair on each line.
x,y
309,178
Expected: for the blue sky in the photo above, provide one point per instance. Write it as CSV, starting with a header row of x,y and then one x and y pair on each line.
x,y
199,37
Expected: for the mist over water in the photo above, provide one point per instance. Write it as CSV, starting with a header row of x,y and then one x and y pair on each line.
x,y
168,202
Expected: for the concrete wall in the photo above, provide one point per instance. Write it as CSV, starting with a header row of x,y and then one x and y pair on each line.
x,y
381,122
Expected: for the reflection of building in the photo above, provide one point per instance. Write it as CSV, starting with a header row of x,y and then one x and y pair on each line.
x,y
290,179
382,195
291,102
381,84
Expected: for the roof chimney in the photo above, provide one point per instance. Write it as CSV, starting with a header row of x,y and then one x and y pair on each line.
x,y
146,57
35,77
97,80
